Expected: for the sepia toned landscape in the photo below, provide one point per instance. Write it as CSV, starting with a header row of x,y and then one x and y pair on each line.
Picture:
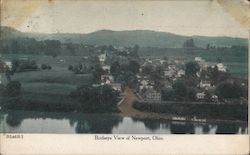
x,y
126,81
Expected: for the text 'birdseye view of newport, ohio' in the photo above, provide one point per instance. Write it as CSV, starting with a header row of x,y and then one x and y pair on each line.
x,y
129,68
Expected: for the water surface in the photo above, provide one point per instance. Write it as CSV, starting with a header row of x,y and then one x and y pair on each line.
x,y
50,122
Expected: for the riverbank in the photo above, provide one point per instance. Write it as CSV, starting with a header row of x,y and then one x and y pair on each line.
x,y
126,108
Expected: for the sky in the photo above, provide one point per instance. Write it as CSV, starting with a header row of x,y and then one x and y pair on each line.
x,y
193,17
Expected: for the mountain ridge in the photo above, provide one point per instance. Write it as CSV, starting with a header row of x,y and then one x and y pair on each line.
x,y
144,38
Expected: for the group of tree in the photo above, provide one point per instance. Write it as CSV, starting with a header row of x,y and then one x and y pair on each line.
x,y
79,68
179,92
45,67
12,89
30,46
22,66
215,76
191,68
125,72
96,99
221,48
226,90
189,43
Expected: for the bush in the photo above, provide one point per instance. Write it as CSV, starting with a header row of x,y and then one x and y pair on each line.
x,y
43,66
70,67
13,89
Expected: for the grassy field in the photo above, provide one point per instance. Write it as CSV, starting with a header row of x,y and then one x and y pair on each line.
x,y
52,85
48,88
62,76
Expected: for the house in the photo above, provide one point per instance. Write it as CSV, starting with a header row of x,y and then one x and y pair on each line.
x,y
9,64
144,82
152,95
198,59
107,78
106,68
171,67
181,73
221,67
214,98
205,84
116,86
162,61
96,85
169,73
200,96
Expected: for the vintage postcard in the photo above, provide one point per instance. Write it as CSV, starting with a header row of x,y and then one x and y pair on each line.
x,y
124,77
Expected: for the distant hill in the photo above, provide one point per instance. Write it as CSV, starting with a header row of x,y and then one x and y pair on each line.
x,y
144,38
9,33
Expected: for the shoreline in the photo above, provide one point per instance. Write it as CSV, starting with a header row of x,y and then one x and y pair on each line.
x,y
126,109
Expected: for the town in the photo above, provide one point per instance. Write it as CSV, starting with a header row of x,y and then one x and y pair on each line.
x,y
154,81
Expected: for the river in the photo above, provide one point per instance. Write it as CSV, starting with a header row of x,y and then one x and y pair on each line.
x,y
51,122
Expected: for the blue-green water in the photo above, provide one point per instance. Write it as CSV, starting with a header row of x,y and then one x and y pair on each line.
x,y
48,122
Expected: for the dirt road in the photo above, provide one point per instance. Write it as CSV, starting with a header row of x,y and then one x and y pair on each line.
x,y
126,107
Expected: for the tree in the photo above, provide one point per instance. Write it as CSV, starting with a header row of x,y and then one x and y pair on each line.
x,y
191,68
13,89
52,47
135,50
43,66
148,69
96,99
189,43
228,90
208,47
219,60
134,67
180,89
71,48
192,94
115,69
97,72
208,96
70,67
168,95
49,67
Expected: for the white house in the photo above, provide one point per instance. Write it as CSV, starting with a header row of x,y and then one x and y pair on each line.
x,y
205,84
9,64
105,78
180,73
106,68
116,86
144,82
221,67
152,95
169,73
200,96
199,59
214,98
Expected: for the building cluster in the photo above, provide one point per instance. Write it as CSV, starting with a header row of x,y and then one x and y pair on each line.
x,y
106,77
149,89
